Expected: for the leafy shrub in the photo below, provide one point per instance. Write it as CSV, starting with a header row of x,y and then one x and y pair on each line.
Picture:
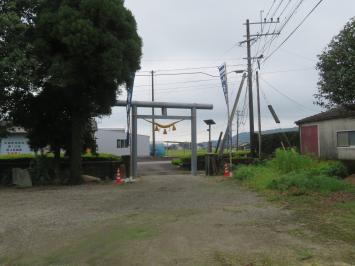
x,y
289,160
176,161
305,181
334,168
244,172
294,173
5,157
85,157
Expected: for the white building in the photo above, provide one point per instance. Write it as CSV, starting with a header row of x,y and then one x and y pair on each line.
x,y
15,142
113,141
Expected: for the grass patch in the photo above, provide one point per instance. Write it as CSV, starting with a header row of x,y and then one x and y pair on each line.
x,y
313,188
100,246
292,173
304,254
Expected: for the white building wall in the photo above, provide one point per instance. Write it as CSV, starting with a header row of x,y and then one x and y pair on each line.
x,y
106,140
14,144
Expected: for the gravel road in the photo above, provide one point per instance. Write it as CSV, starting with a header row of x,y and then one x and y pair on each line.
x,y
160,220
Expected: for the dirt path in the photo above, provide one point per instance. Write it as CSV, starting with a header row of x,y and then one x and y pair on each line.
x,y
150,168
161,220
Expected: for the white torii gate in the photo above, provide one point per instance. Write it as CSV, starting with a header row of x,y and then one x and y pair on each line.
x,y
164,106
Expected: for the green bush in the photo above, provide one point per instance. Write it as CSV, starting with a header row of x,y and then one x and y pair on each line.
x,y
244,172
176,161
296,174
289,160
85,157
5,157
305,181
334,168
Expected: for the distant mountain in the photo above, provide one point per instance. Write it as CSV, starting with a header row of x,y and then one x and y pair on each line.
x,y
245,136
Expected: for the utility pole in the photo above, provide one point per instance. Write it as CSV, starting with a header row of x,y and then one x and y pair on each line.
x,y
250,90
249,39
238,124
153,119
259,113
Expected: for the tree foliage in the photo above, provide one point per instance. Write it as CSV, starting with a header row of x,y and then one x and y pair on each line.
x,y
337,70
62,63
18,65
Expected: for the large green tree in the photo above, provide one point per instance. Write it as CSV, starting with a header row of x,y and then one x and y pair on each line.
x,y
337,70
80,51
18,65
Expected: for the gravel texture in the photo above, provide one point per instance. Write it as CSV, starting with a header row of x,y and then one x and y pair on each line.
x,y
160,220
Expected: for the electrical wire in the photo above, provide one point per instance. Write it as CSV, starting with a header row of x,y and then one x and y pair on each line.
x,y
187,73
270,9
181,82
192,60
293,32
179,74
267,45
265,38
189,68
289,70
277,9
286,96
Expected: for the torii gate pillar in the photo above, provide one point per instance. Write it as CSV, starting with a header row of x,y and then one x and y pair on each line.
x,y
193,117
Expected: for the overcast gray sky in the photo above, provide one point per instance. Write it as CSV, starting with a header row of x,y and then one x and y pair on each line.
x,y
179,34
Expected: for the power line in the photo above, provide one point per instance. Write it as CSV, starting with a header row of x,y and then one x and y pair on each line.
x,y
266,38
289,70
189,68
286,96
192,59
270,9
179,74
216,81
188,73
277,9
268,44
285,8
181,82
188,87
293,32
298,55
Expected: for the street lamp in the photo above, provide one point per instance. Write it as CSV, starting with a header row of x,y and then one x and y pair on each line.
x,y
209,123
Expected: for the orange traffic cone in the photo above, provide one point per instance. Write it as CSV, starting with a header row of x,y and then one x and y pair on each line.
x,y
118,179
226,170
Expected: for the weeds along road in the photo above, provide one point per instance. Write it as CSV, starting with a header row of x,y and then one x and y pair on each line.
x,y
160,220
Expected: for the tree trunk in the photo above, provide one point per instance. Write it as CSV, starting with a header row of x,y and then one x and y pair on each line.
x,y
56,151
76,149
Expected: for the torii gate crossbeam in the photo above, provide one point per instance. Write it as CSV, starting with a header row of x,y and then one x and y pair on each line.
x,y
164,105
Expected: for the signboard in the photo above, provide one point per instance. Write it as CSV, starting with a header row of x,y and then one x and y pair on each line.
x,y
14,146
223,75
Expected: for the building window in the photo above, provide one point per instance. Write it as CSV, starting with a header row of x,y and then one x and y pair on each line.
x,y
346,138
121,143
